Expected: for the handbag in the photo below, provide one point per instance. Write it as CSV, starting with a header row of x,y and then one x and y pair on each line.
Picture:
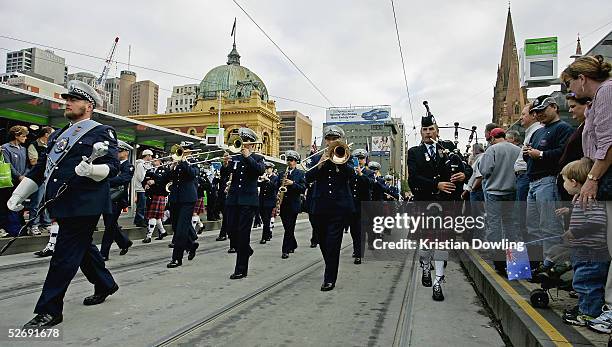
x,y
116,193
6,178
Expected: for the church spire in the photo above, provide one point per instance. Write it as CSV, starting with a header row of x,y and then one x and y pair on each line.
x,y
578,53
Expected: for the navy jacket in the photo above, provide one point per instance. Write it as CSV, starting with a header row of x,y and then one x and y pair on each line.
x,y
268,191
393,191
245,172
551,140
183,188
292,202
361,187
331,193
379,188
84,196
126,172
159,175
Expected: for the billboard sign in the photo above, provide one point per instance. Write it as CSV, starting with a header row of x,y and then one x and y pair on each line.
x,y
542,46
381,145
539,60
358,114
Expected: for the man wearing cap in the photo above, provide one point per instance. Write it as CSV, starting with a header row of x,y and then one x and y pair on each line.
x,y
431,179
119,186
497,170
141,167
268,188
242,200
293,180
361,189
392,193
542,155
332,203
81,194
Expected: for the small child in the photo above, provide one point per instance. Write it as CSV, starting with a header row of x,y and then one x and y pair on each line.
x,y
587,239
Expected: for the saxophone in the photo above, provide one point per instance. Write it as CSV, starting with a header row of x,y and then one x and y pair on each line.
x,y
281,192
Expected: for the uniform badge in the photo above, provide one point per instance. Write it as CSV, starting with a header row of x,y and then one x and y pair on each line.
x,y
60,145
111,133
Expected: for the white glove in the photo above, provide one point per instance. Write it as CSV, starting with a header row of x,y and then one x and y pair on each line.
x,y
96,172
25,188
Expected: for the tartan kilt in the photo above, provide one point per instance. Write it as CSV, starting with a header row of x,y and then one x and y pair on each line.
x,y
156,207
199,206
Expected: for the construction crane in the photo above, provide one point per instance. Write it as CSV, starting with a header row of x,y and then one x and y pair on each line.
x,y
102,79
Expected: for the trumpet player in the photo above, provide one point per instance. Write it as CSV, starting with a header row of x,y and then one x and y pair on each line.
x,y
292,179
332,202
268,188
361,186
242,200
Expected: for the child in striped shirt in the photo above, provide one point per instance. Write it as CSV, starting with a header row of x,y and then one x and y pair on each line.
x,y
587,238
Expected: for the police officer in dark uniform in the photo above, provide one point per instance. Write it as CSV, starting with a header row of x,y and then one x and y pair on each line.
x,y
268,188
435,173
332,203
81,194
181,201
224,176
242,200
119,186
293,180
392,193
361,187
378,185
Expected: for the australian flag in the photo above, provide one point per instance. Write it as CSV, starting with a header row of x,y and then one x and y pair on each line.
x,y
517,264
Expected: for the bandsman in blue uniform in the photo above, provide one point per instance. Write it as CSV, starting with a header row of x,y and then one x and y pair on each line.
x,y
361,189
119,186
154,184
81,195
182,177
293,180
268,188
332,203
242,200
391,191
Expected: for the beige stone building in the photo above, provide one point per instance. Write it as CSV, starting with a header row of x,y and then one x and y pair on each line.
x,y
296,132
242,98
137,97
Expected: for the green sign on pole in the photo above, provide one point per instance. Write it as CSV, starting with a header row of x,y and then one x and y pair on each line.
x,y
541,46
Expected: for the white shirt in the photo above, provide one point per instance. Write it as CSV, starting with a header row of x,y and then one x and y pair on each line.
x,y
520,164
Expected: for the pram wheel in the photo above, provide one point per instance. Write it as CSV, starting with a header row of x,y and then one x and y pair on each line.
x,y
539,298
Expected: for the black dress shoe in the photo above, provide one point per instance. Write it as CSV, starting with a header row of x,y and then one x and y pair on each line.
x,y
237,276
357,261
174,263
161,236
285,256
263,242
326,287
437,293
426,278
99,297
146,240
221,238
231,250
192,251
43,320
125,250
313,245
44,253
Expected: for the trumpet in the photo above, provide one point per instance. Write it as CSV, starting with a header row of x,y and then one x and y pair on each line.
x,y
236,143
340,153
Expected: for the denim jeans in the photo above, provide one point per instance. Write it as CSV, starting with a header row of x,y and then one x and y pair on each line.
x,y
500,217
590,272
36,198
542,200
477,209
141,204
522,189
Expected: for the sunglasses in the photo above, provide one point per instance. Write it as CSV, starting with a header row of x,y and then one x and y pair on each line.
x,y
567,83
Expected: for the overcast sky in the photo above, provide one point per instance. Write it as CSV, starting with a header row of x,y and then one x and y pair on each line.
x,y
347,47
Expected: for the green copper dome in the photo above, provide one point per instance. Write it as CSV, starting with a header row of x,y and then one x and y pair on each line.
x,y
236,79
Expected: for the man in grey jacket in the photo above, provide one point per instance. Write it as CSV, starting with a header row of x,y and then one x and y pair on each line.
x,y
497,168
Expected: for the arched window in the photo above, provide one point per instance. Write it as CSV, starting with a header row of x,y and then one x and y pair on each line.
x,y
192,131
517,108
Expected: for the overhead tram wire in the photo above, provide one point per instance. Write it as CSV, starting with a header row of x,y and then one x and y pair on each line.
x,y
132,65
284,54
399,43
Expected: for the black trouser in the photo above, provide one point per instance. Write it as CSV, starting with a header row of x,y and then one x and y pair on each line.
x,y
74,249
184,233
266,217
355,224
113,232
289,241
329,231
314,239
240,221
257,217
